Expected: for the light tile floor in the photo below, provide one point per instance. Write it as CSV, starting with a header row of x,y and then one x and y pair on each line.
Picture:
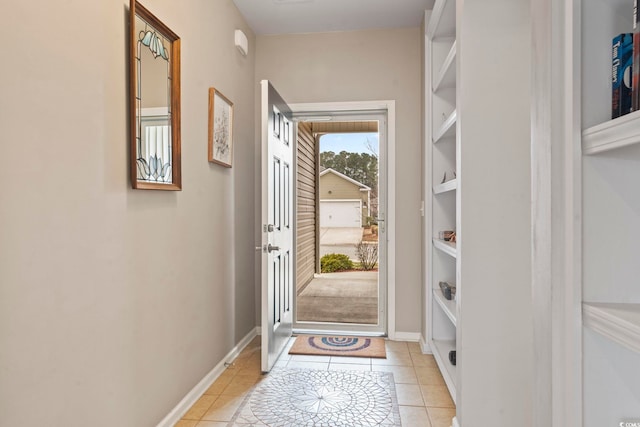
x,y
422,394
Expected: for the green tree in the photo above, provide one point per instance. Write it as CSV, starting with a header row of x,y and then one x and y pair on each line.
x,y
363,167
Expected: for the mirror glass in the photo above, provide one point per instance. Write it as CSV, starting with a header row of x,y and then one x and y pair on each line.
x,y
155,71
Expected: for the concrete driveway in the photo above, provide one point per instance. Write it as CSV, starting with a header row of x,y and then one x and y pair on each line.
x,y
340,236
340,241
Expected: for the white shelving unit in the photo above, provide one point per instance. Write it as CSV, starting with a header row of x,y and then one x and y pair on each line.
x,y
447,186
611,223
448,306
447,129
448,248
441,197
477,158
441,349
446,77
613,134
617,322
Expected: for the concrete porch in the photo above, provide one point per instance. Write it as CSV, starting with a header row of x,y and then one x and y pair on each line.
x,y
346,297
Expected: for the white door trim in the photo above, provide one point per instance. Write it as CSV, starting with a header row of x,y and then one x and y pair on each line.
x,y
390,107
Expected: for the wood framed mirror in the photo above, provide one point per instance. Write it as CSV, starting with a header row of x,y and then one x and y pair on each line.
x,y
154,62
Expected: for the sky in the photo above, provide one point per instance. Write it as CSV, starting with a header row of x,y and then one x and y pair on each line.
x,y
350,142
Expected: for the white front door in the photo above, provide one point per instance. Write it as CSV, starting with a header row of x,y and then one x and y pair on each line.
x,y
277,224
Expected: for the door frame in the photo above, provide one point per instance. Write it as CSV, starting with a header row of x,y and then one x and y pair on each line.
x,y
367,107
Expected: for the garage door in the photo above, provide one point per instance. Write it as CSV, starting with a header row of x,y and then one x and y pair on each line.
x,y
340,213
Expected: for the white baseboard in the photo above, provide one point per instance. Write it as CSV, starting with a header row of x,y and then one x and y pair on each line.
x,y
187,402
406,336
258,330
455,422
424,346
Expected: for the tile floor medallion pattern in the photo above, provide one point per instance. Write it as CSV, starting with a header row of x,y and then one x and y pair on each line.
x,y
294,397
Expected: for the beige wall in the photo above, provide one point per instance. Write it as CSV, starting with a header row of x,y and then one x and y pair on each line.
x,y
114,303
359,66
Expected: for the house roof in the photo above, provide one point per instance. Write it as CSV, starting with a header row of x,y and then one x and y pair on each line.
x,y
345,177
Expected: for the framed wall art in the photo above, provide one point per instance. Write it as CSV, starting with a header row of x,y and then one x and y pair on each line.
x,y
220,128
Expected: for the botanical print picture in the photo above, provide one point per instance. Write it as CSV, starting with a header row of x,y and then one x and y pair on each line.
x,y
220,128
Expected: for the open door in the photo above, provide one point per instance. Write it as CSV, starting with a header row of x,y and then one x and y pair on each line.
x,y
277,224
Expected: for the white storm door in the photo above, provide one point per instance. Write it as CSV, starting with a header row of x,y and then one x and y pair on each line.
x,y
277,224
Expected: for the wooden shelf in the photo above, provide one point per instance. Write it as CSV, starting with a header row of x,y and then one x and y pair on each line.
x,y
618,322
441,349
446,77
450,185
617,133
448,306
448,128
448,248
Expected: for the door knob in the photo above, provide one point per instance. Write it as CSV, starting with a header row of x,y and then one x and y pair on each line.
x,y
272,248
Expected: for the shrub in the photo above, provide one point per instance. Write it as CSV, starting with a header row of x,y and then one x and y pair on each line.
x,y
331,263
367,254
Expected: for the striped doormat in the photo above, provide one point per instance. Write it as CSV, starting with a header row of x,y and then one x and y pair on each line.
x,y
339,346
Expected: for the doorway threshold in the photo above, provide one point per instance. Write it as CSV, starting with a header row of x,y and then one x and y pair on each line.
x,y
352,332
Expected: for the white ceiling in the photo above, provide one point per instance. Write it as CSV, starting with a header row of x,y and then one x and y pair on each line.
x,y
311,16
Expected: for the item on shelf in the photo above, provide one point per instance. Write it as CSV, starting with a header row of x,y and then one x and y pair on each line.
x,y
452,357
447,235
621,74
635,71
448,290
444,178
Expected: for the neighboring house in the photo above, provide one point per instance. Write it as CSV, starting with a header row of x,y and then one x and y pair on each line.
x,y
344,202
